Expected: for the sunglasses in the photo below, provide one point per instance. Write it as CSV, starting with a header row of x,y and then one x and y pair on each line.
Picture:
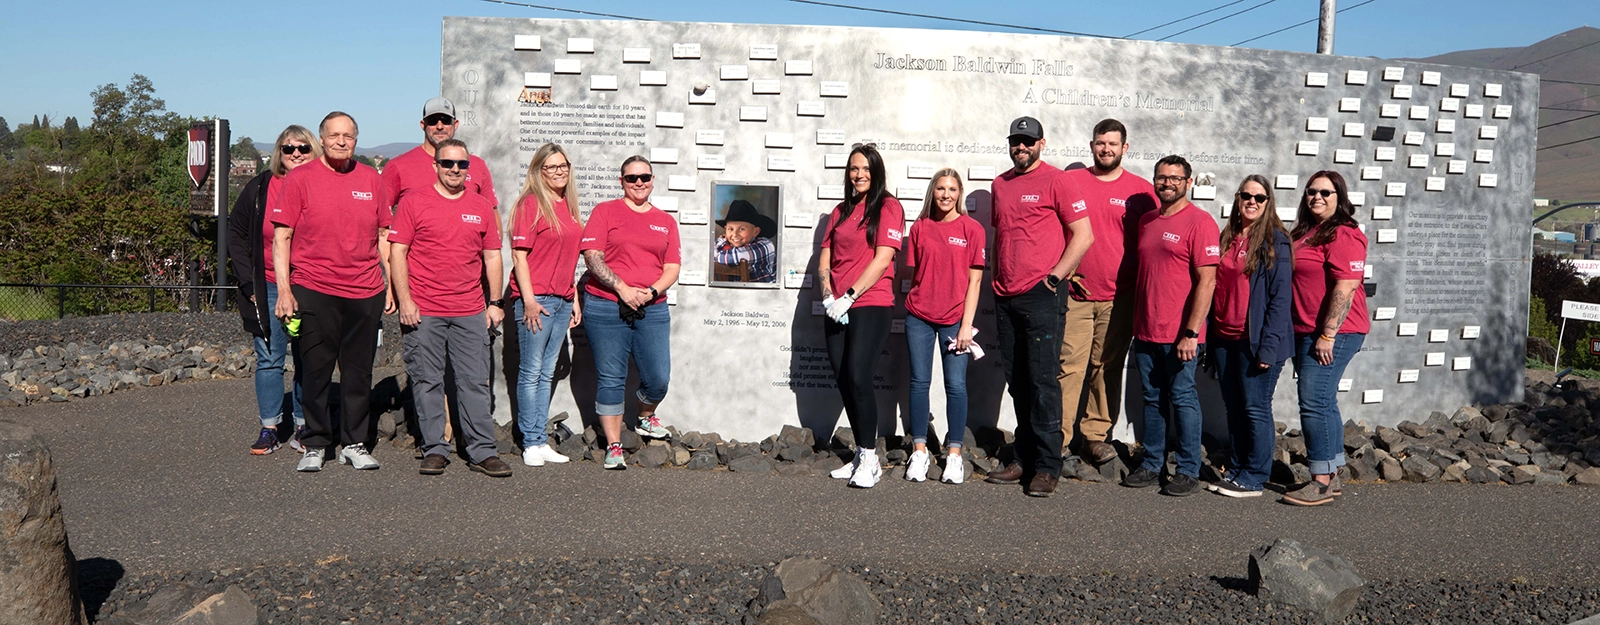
x,y
1260,199
1321,192
438,119
445,163
633,178
291,149
1017,140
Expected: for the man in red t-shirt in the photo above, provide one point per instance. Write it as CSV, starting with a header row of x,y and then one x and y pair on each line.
x,y
444,238
414,170
1178,256
1040,234
1099,323
330,245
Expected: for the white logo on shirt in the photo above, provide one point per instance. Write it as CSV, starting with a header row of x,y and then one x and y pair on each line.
x,y
661,229
1358,265
1117,201
957,241
1171,238
588,239
895,234
361,195
1079,206
471,219
1030,198
1212,250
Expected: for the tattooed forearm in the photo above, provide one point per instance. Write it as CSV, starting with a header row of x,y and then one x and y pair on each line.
x,y
1338,307
596,260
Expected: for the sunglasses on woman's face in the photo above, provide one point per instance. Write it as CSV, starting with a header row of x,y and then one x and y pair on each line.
x,y
445,163
291,149
1321,192
1259,199
633,178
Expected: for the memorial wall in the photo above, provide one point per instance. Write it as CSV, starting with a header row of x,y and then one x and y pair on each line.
x,y
1440,161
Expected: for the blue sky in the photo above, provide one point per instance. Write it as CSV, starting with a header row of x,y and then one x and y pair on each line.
x,y
264,65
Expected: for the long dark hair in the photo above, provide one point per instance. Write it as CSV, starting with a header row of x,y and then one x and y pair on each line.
x,y
1344,213
877,192
1259,236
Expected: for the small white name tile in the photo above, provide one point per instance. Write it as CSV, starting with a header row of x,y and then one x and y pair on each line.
x,y
1349,105
636,55
705,96
536,79
686,50
1461,363
764,52
1435,183
833,89
827,136
765,87
1418,160
1388,235
905,285
1445,126
734,72
1417,112
580,45
1502,111
809,108
835,161
1469,332
752,113
1400,92
1394,73
1372,173
1431,78
1345,384
672,297
1355,77
909,193
665,156
1433,359
1286,212
693,277
1483,156
526,42
897,326
1358,198
981,172
1406,328
1408,376
1460,90
797,67
1383,154
1444,149
1389,110
1415,137
1344,156
1366,272
780,140
1489,132
652,78
697,216
817,309
1450,105
1316,124
711,161
1394,189
1316,79
1473,111
796,280
1382,212
668,203
708,137
1491,90
680,183
1372,396
1354,129
1383,313
1306,148
830,192
1488,180
1204,192
669,119
780,163
1456,167
920,172
603,82
1286,181
799,219
568,66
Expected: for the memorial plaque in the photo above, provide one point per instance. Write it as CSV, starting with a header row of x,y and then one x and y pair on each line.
x,y
1433,359
1460,90
1383,154
1317,124
526,42
1316,79
1355,77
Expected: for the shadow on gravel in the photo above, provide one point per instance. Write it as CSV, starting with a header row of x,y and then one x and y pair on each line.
x,y
1236,584
97,577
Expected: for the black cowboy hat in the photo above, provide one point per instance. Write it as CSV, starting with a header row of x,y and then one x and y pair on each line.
x,y
743,210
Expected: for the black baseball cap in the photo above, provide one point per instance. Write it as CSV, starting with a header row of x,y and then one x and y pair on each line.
x,y
1027,127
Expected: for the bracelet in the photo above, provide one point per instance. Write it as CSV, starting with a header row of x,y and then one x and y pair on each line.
x,y
1327,338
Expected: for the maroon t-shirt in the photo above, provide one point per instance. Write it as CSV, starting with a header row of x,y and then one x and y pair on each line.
x,y
1230,303
335,217
447,238
1170,248
1030,215
637,246
849,252
552,249
268,231
941,256
1114,211
414,170
1315,271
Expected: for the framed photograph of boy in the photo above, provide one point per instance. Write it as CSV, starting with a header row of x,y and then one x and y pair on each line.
x,y
744,234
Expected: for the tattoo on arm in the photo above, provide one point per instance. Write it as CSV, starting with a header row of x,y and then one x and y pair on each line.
x,y
598,270
1338,308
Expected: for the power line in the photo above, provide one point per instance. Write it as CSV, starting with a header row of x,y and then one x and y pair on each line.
x,y
1217,20
1558,145
562,10
1587,97
1592,43
1310,21
1557,108
1568,121
1571,82
1184,19
950,19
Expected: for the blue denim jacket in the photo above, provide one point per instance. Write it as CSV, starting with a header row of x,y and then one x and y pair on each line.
x,y
1271,324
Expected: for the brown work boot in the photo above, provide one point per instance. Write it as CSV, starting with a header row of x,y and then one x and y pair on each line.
x,y
492,466
1042,485
1009,475
433,464
1099,452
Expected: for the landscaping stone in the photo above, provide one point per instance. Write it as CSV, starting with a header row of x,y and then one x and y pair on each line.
x,y
38,573
1418,469
230,607
1311,579
755,463
825,593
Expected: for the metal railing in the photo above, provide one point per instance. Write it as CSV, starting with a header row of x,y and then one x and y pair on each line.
x,y
19,301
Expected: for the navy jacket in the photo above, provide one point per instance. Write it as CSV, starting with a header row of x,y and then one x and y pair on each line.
x,y
1271,325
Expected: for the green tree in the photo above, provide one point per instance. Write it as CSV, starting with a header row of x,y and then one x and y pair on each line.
x,y
245,148
5,137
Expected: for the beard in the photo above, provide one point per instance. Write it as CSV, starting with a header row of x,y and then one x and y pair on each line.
x,y
1114,162
1023,159
1168,195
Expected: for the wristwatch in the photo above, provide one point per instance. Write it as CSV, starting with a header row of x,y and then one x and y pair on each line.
x,y
1188,334
1052,281
501,304
654,293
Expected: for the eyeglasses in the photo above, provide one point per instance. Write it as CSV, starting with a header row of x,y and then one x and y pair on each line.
x,y
291,149
555,168
445,163
1260,199
1016,140
1170,180
438,119
634,178
1321,192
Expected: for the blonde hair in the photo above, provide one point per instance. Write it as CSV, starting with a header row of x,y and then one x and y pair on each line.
x,y
961,193
298,133
536,187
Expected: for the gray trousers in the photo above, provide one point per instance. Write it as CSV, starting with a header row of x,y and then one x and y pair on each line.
x,y
465,341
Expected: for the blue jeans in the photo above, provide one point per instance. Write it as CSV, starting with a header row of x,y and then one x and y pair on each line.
x,y
647,340
922,340
1247,392
1319,399
536,371
270,355
1168,382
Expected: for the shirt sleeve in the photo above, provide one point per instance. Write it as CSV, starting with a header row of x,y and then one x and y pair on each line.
x,y
491,231
522,226
291,202
391,184
1347,254
891,224
1204,246
976,240
1070,203
674,254
385,201
403,228
486,183
595,232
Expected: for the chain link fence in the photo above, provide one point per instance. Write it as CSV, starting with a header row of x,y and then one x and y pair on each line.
x,y
21,301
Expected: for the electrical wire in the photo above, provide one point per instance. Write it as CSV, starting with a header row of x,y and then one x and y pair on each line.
x,y
1230,15
1559,145
1568,121
1592,43
564,10
1310,21
1570,82
951,19
1183,19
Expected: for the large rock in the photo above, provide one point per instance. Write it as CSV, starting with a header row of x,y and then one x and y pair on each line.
x,y
1311,579
755,463
821,591
230,607
1587,477
38,573
1418,469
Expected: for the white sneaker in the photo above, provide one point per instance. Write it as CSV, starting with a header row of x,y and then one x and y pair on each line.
x,y
867,475
917,467
954,469
310,461
538,455
356,456
847,471
551,455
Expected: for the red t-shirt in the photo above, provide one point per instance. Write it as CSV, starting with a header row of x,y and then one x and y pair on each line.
x,y
1030,212
336,217
941,255
268,231
414,170
1114,211
447,239
552,254
1170,248
1230,303
849,253
1316,269
637,245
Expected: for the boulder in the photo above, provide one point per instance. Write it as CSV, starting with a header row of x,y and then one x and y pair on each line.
x,y
38,573
1311,579
702,461
654,455
755,463
828,595
1481,475
1390,469
230,607
631,441
1541,350
1418,469
1412,429
1587,477
1364,468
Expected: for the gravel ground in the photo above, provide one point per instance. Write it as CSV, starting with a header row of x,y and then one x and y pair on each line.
x,y
163,328
655,591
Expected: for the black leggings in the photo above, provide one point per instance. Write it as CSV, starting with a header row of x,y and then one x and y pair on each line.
x,y
853,351
343,333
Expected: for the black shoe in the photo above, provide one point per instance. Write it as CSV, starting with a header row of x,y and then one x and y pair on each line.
x,y
1181,485
1141,478
433,464
492,466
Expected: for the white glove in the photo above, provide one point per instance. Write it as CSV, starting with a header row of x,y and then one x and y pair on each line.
x,y
976,350
839,308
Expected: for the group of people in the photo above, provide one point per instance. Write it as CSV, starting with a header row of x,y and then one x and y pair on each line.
x,y
1088,263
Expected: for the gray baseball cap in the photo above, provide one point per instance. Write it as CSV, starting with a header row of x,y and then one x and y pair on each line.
x,y
1027,127
438,105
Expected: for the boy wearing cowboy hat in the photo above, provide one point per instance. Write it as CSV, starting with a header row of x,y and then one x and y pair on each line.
x,y
746,236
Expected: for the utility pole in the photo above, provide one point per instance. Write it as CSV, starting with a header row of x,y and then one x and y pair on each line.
x,y
1325,27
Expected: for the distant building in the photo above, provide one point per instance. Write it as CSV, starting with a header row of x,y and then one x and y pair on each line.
x,y
243,169
1539,201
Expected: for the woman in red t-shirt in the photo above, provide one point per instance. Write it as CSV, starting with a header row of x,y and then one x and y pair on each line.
x,y
545,229
857,261
1330,323
1250,332
945,248
631,250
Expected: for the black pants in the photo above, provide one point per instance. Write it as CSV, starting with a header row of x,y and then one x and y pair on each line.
x,y
853,350
343,332
1030,327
